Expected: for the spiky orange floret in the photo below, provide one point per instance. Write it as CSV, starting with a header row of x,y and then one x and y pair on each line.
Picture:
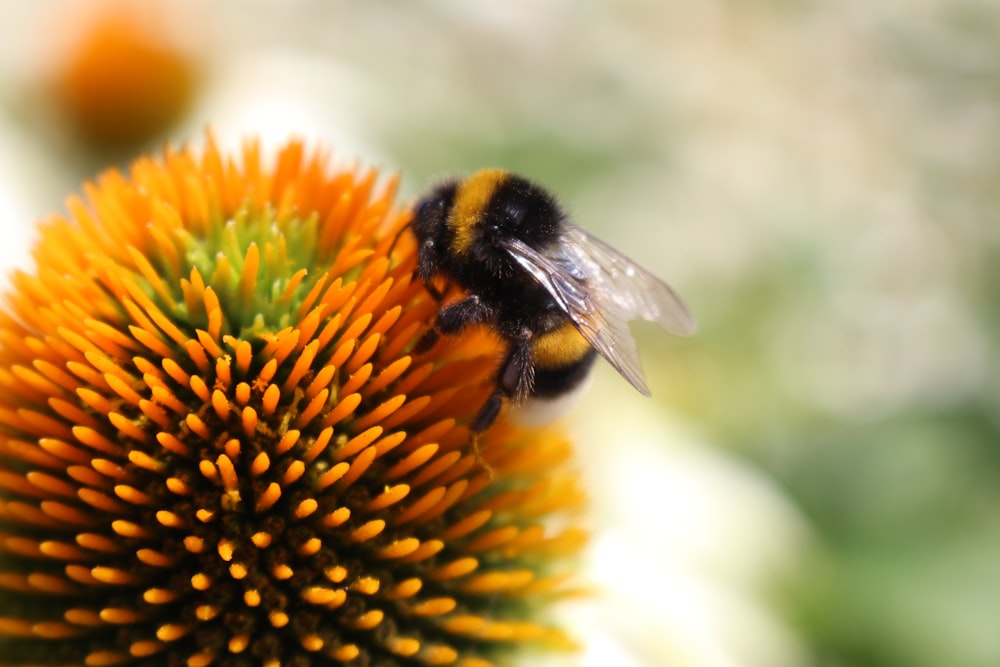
x,y
216,447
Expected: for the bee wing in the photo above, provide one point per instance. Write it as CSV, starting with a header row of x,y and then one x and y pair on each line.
x,y
622,286
601,290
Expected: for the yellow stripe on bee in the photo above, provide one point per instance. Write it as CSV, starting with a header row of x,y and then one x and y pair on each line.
x,y
471,199
560,347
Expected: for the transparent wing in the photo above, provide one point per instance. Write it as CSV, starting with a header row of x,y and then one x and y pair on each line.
x,y
620,285
601,290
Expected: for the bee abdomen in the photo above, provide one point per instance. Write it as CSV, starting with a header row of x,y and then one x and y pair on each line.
x,y
562,360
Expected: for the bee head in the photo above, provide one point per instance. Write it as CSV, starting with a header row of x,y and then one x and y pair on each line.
x,y
467,223
431,213
520,209
493,206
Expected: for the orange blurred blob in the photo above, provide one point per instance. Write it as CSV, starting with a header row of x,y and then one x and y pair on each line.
x,y
121,80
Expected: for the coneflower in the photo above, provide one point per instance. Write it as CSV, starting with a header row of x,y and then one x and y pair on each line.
x,y
119,76
216,447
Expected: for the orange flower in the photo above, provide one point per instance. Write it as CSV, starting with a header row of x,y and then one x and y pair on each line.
x,y
122,81
216,448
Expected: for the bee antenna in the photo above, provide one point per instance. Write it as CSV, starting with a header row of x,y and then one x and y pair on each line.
x,y
395,239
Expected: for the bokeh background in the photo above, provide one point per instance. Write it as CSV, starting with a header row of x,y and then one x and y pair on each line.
x,y
817,480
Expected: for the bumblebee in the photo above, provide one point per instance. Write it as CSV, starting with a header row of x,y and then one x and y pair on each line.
x,y
554,294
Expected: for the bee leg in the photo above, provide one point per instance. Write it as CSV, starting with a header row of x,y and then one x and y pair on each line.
x,y
452,319
470,310
433,291
487,414
517,374
514,380
427,341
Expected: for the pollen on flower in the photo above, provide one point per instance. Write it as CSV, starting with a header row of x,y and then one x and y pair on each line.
x,y
217,448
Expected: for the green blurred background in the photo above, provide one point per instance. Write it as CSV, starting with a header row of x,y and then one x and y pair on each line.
x,y
817,480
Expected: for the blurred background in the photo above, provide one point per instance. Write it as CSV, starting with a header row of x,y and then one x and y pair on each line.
x,y
816,481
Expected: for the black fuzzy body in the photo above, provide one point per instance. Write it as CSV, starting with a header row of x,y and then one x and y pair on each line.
x,y
460,228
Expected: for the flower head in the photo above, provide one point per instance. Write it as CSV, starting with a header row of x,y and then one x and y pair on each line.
x,y
217,449
123,77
